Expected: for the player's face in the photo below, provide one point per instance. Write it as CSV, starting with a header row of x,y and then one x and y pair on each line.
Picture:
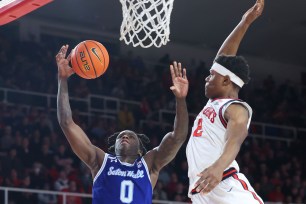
x,y
127,142
213,85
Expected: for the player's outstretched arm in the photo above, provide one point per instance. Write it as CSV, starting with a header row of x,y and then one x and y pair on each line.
x,y
171,143
231,44
237,117
76,137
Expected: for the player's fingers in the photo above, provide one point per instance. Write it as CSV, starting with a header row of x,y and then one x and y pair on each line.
x,y
172,72
207,186
63,50
184,73
60,52
199,182
260,4
202,185
71,71
69,57
260,1
179,69
172,88
175,68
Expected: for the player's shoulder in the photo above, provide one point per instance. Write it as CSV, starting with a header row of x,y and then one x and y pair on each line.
x,y
238,110
223,103
231,105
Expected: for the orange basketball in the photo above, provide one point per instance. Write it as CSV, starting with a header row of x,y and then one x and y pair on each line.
x,y
89,59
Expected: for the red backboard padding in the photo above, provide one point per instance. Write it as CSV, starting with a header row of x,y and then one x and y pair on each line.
x,y
19,8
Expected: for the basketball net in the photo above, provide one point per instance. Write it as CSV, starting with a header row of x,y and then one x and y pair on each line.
x,y
146,22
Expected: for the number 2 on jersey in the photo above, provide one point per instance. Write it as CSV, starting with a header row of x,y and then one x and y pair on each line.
x,y
198,131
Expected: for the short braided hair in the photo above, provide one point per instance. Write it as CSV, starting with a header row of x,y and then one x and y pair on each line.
x,y
143,139
236,64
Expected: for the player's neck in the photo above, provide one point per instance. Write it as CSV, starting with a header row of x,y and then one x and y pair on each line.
x,y
230,94
227,95
127,159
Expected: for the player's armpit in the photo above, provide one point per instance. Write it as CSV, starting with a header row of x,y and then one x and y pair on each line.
x,y
82,146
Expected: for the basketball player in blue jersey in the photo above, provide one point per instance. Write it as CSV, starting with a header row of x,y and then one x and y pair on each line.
x,y
128,174
222,126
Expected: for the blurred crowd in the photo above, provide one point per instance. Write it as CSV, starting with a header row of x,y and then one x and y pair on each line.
x,y
34,152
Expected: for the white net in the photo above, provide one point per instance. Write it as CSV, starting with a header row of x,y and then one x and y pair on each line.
x,y
146,22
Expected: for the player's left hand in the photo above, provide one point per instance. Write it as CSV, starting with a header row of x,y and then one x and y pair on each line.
x,y
209,179
64,70
179,80
254,12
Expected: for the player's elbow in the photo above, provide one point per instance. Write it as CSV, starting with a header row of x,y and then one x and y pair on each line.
x,y
178,137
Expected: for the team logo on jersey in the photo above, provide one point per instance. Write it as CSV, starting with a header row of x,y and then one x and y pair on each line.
x,y
210,113
113,171
139,164
113,159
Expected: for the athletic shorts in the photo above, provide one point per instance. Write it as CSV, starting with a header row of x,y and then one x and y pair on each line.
x,y
235,189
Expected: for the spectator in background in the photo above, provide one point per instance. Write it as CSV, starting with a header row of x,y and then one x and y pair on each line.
x,y
276,195
159,192
38,175
26,197
46,198
46,155
118,90
82,90
72,188
126,118
12,161
145,108
26,154
62,156
62,181
99,129
13,180
180,193
171,186
7,139
163,64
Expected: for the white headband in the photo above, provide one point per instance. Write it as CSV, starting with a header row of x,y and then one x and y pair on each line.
x,y
223,71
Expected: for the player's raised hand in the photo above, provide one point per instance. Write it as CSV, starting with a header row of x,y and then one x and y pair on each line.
x,y
209,179
64,70
179,80
253,13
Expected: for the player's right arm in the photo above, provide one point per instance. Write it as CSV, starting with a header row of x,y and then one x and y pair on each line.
x,y
172,142
231,44
78,140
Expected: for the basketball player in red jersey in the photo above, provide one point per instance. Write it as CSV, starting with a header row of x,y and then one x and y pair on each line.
x,y
222,126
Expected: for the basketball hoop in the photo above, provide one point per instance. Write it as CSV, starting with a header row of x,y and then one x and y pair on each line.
x,y
11,10
146,22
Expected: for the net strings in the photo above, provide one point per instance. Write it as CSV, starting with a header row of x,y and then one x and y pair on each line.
x,y
146,22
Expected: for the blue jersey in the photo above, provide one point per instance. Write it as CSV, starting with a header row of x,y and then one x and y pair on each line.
x,y
118,182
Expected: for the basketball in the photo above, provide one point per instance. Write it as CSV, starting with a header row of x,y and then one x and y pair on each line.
x,y
89,59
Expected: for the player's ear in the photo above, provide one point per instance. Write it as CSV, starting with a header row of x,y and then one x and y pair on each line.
x,y
226,80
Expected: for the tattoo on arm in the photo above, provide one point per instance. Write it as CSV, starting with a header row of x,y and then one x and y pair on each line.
x,y
63,107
